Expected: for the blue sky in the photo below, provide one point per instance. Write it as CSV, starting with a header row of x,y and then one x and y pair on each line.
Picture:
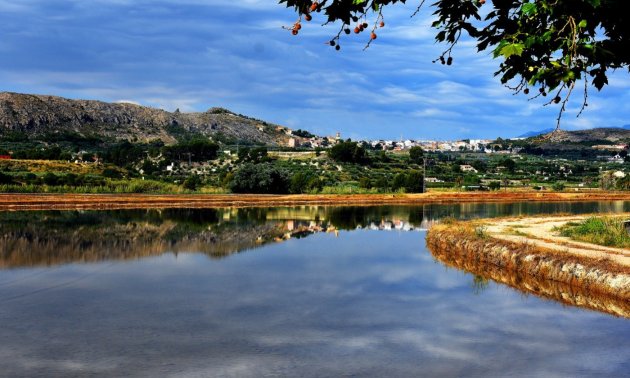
x,y
196,54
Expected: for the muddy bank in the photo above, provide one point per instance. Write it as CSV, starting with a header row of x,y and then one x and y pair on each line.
x,y
529,284
595,283
143,201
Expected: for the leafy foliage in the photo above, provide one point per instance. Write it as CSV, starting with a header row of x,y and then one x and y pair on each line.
x,y
411,181
302,133
494,185
416,155
253,155
192,182
194,149
348,152
260,178
304,182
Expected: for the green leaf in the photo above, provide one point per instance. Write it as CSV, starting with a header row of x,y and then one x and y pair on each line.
x,y
497,51
530,41
512,49
594,3
582,24
528,9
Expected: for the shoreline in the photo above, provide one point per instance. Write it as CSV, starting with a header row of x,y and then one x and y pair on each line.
x,y
523,253
44,201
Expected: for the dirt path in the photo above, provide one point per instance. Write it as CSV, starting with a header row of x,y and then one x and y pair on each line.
x,y
539,231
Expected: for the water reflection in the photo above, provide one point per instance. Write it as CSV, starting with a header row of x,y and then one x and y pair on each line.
x,y
567,294
360,303
43,238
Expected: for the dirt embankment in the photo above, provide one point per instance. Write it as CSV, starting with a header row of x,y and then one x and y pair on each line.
x,y
128,201
587,276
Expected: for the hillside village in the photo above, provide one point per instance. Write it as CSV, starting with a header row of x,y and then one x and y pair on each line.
x,y
50,144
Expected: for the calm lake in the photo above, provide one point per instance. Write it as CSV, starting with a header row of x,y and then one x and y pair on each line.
x,y
303,291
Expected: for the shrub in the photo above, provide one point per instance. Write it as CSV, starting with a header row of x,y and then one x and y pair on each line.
x,y
303,182
365,182
192,182
50,179
5,179
112,173
260,178
494,185
558,187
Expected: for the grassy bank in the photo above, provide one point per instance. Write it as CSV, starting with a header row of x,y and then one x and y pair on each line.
x,y
606,231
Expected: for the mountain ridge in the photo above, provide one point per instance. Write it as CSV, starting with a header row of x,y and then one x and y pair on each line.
x,y
38,115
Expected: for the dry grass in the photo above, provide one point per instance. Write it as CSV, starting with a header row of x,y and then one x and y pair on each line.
x,y
72,201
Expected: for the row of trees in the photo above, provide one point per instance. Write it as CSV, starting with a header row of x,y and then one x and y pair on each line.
x,y
268,178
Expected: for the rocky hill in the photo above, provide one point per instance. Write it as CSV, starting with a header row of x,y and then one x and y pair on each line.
x,y
607,134
39,116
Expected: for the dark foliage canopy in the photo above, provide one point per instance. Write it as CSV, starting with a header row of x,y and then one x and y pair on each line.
x,y
348,152
264,178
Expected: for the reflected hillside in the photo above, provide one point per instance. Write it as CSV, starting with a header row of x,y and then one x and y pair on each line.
x,y
61,237
41,238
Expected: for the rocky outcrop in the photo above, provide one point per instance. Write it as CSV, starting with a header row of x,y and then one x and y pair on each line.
x,y
594,284
38,115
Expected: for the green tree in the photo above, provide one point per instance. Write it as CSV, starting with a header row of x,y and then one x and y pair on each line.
x,y
253,155
480,165
260,178
414,182
416,155
304,182
51,179
399,181
509,164
544,44
348,152
494,185
192,182
471,179
623,183
197,150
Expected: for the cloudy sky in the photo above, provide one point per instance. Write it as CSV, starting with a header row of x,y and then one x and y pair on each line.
x,y
196,54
